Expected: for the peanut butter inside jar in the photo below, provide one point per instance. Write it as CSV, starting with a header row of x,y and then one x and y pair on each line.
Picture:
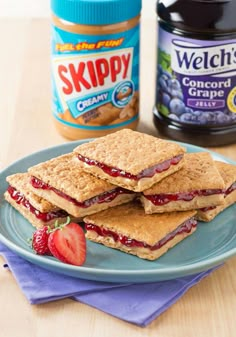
x,y
95,67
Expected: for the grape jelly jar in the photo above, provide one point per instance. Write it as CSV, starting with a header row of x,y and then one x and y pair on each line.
x,y
196,73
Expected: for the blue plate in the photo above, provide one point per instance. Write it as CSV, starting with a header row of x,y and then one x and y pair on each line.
x,y
209,246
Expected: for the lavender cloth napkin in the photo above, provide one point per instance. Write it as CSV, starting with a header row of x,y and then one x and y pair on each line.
x,y
139,304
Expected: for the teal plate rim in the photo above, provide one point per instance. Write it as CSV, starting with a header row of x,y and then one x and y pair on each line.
x,y
144,271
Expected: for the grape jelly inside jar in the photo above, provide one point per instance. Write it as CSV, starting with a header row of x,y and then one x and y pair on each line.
x,y
196,77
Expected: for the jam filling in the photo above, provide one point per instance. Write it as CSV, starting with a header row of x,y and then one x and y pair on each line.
x,y
20,199
147,173
206,209
186,227
227,192
99,199
231,189
163,199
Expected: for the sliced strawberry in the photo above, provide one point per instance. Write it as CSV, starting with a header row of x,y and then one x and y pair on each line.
x,y
68,244
40,241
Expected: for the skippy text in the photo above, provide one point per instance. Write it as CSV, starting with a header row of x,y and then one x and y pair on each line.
x,y
80,74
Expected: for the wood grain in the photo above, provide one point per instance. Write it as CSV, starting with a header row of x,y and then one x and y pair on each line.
x,y
26,126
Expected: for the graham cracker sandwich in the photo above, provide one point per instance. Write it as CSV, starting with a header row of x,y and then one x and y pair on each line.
x,y
197,185
129,229
38,211
62,182
130,159
228,173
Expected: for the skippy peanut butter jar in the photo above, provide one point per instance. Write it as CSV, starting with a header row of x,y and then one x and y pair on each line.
x,y
95,66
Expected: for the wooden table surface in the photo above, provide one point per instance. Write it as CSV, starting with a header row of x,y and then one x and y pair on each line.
x,y
208,309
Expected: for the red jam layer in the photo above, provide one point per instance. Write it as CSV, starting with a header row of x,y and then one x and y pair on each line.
x,y
163,199
229,190
99,199
206,209
186,227
20,199
147,173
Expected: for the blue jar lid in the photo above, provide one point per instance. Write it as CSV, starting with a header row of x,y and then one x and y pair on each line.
x,y
96,12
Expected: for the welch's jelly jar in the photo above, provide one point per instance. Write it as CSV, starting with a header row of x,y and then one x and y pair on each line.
x,y
196,71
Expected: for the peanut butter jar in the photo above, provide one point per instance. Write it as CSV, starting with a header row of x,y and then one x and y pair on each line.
x,y
95,66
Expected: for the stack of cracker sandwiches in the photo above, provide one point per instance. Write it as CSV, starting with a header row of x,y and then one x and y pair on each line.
x,y
132,191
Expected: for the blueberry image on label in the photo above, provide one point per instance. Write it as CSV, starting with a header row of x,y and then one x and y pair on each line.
x,y
186,117
166,99
174,117
170,94
163,83
177,93
190,110
174,84
177,106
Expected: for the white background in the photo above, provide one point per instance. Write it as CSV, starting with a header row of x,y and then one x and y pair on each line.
x,y
41,8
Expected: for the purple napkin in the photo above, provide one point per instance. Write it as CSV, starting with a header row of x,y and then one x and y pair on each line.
x,y
136,303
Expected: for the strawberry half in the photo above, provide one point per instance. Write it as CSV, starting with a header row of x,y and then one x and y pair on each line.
x,y
40,241
68,244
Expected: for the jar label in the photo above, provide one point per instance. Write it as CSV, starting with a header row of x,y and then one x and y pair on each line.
x,y
196,80
95,78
